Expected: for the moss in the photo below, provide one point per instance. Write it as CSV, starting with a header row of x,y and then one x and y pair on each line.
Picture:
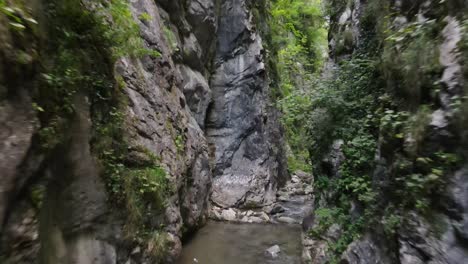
x,y
416,47
170,38
80,58
416,128
36,195
145,17
180,143
299,162
157,246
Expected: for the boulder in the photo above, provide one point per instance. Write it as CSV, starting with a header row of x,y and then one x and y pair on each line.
x,y
228,215
273,251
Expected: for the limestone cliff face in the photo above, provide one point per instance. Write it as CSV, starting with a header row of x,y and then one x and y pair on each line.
x,y
440,236
166,102
201,108
242,127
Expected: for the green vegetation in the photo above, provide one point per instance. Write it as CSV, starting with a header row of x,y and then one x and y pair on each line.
x,y
379,97
18,18
81,44
145,17
414,45
171,38
157,245
298,43
80,57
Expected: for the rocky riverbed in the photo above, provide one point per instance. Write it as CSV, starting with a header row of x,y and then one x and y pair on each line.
x,y
294,202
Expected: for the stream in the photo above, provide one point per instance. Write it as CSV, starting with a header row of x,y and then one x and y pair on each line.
x,y
232,243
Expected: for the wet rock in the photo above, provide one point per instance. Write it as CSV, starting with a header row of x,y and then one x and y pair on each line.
x,y
308,222
264,217
256,219
273,251
287,220
277,209
229,215
299,191
365,251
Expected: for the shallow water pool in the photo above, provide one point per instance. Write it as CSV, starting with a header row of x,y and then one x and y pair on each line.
x,y
230,243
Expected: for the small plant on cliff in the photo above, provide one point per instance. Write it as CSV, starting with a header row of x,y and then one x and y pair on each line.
x,y
157,246
144,191
18,18
124,32
170,38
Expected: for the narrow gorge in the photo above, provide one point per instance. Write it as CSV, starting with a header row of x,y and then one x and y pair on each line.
x,y
236,131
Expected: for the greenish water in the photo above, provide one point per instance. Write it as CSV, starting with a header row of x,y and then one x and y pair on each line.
x,y
229,243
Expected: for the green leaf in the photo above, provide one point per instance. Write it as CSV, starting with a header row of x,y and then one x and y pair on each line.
x,y
8,9
31,20
17,26
437,172
433,177
37,107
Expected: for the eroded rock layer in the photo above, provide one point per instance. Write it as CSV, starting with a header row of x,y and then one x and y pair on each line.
x,y
242,127
112,163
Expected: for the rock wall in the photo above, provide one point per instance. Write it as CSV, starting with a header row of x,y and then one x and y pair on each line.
x,y
201,108
166,100
242,126
438,236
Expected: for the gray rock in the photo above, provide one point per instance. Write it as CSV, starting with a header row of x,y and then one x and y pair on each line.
x,y
365,251
458,202
76,200
168,98
240,127
421,241
264,217
308,222
192,52
202,18
331,164
295,179
273,251
277,209
255,219
334,232
304,176
287,220
439,120
449,54
197,93
309,189
228,215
